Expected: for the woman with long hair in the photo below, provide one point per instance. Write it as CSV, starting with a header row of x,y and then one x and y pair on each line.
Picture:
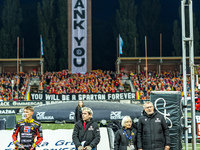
x,y
78,111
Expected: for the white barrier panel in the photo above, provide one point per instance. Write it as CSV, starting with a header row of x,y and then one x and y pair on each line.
x,y
60,139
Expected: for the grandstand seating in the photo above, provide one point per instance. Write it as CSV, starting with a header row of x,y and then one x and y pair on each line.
x,y
97,81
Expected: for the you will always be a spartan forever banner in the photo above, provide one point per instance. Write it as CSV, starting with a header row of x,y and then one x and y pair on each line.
x,y
79,36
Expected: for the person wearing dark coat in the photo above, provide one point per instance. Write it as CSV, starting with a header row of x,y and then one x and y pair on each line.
x,y
78,111
86,133
152,130
125,138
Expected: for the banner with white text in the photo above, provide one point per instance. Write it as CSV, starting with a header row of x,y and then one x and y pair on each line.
x,y
82,96
79,36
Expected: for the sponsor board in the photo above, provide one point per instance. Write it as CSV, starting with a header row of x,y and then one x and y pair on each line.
x,y
101,110
42,116
21,103
9,111
60,139
116,115
10,120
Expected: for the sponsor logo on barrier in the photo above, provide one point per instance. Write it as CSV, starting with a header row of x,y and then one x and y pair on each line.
x,y
21,111
71,115
4,104
116,115
26,103
41,116
165,114
7,111
61,144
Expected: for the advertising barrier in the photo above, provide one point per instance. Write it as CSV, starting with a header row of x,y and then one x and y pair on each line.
x,y
10,120
2,124
22,103
40,102
101,109
60,139
9,111
168,104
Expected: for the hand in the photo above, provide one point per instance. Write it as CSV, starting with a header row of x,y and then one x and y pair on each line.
x,y
80,148
167,147
33,147
140,149
20,146
88,148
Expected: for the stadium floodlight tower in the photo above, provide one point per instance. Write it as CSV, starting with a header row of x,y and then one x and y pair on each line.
x,y
190,41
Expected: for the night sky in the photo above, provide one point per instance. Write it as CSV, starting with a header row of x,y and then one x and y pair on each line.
x,y
103,13
104,9
169,12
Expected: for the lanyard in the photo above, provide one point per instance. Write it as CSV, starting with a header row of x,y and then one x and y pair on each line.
x,y
84,123
129,138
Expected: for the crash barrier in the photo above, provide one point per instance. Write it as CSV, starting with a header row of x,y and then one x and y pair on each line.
x,y
168,103
10,120
2,124
20,104
10,111
60,139
101,110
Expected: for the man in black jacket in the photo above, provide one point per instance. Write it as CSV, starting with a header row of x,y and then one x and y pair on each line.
x,y
153,133
86,133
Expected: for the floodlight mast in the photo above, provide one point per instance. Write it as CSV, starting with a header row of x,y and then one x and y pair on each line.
x,y
190,40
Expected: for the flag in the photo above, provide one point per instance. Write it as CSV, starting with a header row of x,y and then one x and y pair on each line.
x,y
28,96
120,45
41,45
137,95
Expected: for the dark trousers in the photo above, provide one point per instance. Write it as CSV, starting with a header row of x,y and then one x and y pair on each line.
x,y
92,149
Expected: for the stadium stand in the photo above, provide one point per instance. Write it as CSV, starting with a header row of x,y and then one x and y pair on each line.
x,y
97,81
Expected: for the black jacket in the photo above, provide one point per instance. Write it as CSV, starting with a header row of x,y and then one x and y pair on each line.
x,y
78,114
121,141
152,132
91,134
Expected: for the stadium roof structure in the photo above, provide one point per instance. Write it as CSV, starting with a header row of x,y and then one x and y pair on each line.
x,y
24,64
153,63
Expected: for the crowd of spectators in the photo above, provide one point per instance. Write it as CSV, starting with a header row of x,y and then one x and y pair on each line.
x,y
15,91
166,81
97,81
